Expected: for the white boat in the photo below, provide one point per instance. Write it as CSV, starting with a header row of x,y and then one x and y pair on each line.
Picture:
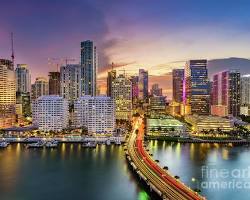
x,y
3,144
51,144
108,142
90,144
38,144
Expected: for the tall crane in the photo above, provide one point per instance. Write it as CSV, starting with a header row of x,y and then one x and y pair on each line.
x,y
12,47
59,61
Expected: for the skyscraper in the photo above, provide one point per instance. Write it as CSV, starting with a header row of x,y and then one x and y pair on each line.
x,y
111,77
143,85
122,95
72,83
196,89
54,83
90,65
7,94
39,88
23,77
226,93
178,77
135,89
156,90
245,90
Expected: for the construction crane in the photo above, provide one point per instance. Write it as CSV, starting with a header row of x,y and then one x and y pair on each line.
x,y
59,62
12,47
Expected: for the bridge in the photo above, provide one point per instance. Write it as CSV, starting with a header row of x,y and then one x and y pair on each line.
x,y
159,180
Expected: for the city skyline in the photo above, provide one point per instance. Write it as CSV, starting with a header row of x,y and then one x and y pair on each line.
x,y
180,31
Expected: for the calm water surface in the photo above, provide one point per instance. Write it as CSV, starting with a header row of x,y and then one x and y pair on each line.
x,y
73,172
69,172
188,160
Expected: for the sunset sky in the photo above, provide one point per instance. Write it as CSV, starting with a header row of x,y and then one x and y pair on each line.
x,y
157,35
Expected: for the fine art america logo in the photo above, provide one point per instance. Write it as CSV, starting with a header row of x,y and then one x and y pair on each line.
x,y
220,178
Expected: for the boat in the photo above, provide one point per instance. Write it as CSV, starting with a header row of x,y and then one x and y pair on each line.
x,y
38,144
51,144
90,144
108,142
3,144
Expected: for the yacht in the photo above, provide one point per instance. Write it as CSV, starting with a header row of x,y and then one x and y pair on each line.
x,y
90,144
3,144
108,142
38,144
51,144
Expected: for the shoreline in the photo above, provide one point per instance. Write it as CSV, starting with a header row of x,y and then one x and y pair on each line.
x,y
196,140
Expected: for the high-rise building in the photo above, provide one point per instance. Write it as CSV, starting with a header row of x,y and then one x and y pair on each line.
x,y
39,88
135,89
196,89
97,114
23,104
7,94
178,77
110,79
54,83
245,89
245,95
157,104
156,90
72,83
50,113
143,85
90,64
226,93
23,78
122,95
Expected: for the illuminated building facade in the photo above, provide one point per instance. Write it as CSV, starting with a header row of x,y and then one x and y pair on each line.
x,y
143,85
97,114
196,88
122,95
90,65
135,89
156,90
226,93
23,78
178,77
245,95
54,83
50,113
7,94
157,104
207,123
111,77
72,82
39,88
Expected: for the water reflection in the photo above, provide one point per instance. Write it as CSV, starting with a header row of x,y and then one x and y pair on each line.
x,y
100,173
187,160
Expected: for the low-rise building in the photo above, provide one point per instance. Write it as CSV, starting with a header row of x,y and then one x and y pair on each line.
x,y
207,123
164,125
50,113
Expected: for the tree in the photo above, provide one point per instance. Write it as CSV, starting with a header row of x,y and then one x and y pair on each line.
x,y
84,130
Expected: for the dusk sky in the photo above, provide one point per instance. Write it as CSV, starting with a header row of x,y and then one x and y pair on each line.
x,y
157,35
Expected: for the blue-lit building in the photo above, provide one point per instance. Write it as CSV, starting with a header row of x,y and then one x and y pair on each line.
x,y
196,88
89,64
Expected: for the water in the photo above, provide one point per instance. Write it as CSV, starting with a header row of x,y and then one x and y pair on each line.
x,y
69,172
203,165
73,172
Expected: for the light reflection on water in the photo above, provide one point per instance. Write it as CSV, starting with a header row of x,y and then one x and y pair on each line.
x,y
69,172
187,160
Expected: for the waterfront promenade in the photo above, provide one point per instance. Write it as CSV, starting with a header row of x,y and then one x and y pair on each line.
x,y
158,179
